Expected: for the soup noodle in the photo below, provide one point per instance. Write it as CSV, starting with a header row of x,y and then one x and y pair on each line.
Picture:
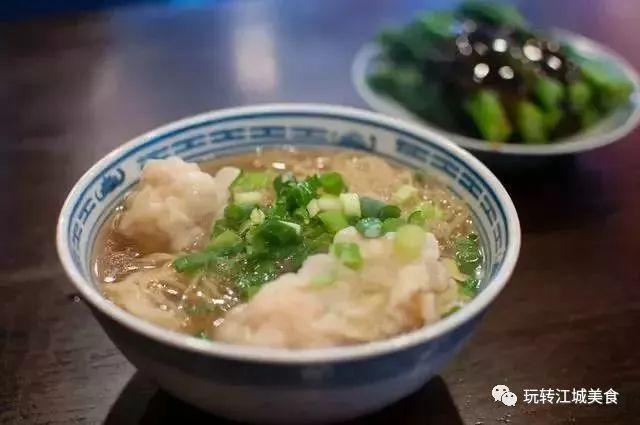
x,y
289,248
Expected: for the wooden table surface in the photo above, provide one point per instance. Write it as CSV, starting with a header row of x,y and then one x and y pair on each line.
x,y
74,87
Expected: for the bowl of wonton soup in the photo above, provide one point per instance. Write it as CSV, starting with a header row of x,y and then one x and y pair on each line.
x,y
173,194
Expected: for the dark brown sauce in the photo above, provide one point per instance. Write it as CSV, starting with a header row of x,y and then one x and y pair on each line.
x,y
501,58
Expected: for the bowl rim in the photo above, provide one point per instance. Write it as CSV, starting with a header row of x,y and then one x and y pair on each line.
x,y
579,142
280,355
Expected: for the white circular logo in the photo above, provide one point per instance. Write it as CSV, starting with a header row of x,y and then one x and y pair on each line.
x,y
498,391
509,398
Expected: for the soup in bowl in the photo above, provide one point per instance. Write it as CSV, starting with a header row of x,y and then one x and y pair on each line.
x,y
289,263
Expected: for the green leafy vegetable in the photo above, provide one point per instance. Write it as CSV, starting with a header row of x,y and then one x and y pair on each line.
x,y
482,71
531,123
611,89
438,25
488,114
550,92
579,95
492,12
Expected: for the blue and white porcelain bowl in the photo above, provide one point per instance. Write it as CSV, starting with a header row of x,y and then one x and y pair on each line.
x,y
278,385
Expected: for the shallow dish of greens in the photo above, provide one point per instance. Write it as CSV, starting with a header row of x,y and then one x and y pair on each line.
x,y
483,77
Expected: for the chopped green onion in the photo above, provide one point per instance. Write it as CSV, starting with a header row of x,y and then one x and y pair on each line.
x,y
468,254
370,227
404,194
236,214
452,267
324,279
451,311
350,204
313,208
248,197
276,233
303,192
282,182
392,224
329,203
389,211
348,254
224,241
370,207
409,241
219,226
250,291
333,220
193,262
244,227
417,217
257,216
301,215
469,288
332,183
431,211
294,226
201,335
249,181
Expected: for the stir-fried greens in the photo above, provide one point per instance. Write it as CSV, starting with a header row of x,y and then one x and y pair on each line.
x,y
483,72
275,221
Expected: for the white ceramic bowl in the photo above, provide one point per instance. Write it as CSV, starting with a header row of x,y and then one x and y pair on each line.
x,y
277,385
608,130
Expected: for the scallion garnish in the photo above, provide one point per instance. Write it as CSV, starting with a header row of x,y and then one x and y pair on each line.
x,y
370,227
348,254
333,220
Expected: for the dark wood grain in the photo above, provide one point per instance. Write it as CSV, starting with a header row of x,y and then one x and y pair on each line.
x,y
73,88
